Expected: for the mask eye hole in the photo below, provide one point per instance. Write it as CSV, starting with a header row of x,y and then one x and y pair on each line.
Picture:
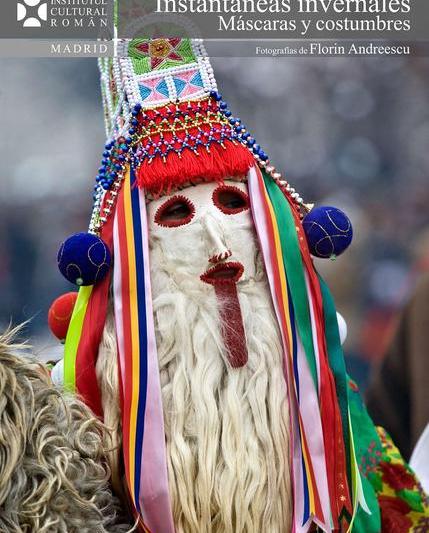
x,y
176,211
230,200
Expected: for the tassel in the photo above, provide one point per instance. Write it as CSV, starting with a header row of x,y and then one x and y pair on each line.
x,y
157,177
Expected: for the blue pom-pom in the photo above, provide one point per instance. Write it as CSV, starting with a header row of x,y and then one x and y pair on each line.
x,y
84,259
328,230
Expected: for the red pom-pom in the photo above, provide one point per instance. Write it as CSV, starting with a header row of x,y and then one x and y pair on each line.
x,y
60,314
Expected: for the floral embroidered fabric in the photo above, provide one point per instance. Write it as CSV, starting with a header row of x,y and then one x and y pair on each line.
x,y
403,504
392,491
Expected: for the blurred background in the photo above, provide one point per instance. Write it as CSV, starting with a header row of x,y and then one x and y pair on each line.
x,y
353,132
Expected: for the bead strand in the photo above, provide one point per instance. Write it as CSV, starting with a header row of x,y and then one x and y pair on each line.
x,y
100,215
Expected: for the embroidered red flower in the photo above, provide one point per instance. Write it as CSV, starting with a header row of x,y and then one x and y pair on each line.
x,y
393,515
396,476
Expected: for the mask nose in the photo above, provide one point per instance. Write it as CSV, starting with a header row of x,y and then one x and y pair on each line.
x,y
217,246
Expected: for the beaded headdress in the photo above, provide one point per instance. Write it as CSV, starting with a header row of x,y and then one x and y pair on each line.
x,y
169,113
168,127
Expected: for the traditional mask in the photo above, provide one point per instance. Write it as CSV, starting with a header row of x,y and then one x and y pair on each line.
x,y
223,392
204,226
204,243
227,339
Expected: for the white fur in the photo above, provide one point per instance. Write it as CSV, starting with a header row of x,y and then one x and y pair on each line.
x,y
226,429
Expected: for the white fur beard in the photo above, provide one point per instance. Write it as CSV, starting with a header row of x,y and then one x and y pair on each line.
x,y
226,429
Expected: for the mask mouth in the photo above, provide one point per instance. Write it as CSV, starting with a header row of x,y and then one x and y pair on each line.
x,y
229,272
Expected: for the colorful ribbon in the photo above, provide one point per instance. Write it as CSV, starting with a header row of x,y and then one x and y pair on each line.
x,y
325,474
142,416
326,481
307,502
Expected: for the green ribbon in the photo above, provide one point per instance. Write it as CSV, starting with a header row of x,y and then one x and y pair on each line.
x,y
337,364
365,436
73,337
353,414
294,271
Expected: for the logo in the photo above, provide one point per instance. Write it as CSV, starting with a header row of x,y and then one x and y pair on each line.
x,y
32,13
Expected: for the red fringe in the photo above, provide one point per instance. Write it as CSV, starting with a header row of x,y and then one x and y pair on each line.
x,y
220,162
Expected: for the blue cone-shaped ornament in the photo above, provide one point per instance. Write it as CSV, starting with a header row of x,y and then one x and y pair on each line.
x,y
328,230
84,259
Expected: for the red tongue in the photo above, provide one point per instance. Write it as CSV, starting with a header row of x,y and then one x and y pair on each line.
x,y
231,323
